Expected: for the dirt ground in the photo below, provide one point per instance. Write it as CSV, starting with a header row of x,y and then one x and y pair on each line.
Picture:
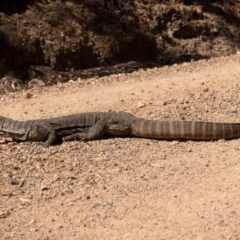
x,y
131,55
127,188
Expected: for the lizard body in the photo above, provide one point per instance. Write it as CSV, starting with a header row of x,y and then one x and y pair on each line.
x,y
93,125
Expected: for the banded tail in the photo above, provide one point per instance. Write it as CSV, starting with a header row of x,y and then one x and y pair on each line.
x,y
189,130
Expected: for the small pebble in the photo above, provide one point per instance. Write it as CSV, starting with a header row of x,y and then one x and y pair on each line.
x,y
168,101
141,104
96,205
27,95
205,89
6,192
33,229
221,223
13,181
71,176
44,186
173,143
4,214
67,191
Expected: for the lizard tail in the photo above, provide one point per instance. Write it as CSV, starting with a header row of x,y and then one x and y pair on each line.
x,y
188,130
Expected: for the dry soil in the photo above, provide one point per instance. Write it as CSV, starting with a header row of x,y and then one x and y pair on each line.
x,y
127,188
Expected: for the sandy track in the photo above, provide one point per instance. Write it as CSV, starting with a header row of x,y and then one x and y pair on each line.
x,y
126,188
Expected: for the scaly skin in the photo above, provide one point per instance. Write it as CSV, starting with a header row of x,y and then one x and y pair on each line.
x,y
91,126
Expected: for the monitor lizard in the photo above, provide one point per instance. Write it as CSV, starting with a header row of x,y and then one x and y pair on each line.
x,y
93,125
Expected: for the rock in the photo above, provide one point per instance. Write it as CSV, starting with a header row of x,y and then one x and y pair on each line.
x,y
168,101
221,223
96,205
33,229
233,110
13,181
174,143
4,214
24,200
141,104
71,176
67,191
44,186
27,95
7,192
98,159
205,89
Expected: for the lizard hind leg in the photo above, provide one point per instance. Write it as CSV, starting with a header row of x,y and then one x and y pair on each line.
x,y
118,129
76,136
94,132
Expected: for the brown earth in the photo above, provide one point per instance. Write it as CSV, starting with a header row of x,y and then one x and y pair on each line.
x,y
127,188
55,39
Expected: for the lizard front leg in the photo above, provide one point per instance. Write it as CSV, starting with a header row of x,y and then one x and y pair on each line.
x,y
41,132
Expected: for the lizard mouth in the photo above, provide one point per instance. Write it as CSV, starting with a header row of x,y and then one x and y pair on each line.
x,y
5,134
